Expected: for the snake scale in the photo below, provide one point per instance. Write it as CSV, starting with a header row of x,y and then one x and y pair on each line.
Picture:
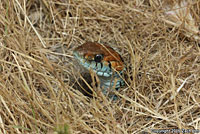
x,y
104,61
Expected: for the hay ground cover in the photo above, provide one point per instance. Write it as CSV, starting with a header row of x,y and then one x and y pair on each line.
x,y
159,45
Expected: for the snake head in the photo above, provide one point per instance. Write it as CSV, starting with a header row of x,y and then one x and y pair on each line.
x,y
102,59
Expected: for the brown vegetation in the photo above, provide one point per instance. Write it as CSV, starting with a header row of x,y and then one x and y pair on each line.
x,y
161,53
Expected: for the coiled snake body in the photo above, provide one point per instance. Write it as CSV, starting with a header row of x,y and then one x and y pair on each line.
x,y
104,61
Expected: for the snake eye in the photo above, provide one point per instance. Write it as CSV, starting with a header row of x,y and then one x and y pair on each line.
x,y
98,58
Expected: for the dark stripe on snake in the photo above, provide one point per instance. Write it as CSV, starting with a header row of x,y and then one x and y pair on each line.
x,y
101,65
109,64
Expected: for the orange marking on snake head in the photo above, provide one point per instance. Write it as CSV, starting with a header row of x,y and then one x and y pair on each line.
x,y
117,66
89,56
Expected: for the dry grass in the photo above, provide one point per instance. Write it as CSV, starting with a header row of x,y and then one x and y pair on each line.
x,y
162,58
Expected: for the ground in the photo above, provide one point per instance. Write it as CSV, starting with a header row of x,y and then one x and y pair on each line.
x,y
161,52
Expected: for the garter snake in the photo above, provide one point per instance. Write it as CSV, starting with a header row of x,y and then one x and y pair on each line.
x,y
104,61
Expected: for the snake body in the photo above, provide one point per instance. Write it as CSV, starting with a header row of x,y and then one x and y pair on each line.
x,y
104,61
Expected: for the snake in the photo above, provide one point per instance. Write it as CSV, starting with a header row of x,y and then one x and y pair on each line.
x,y
104,61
